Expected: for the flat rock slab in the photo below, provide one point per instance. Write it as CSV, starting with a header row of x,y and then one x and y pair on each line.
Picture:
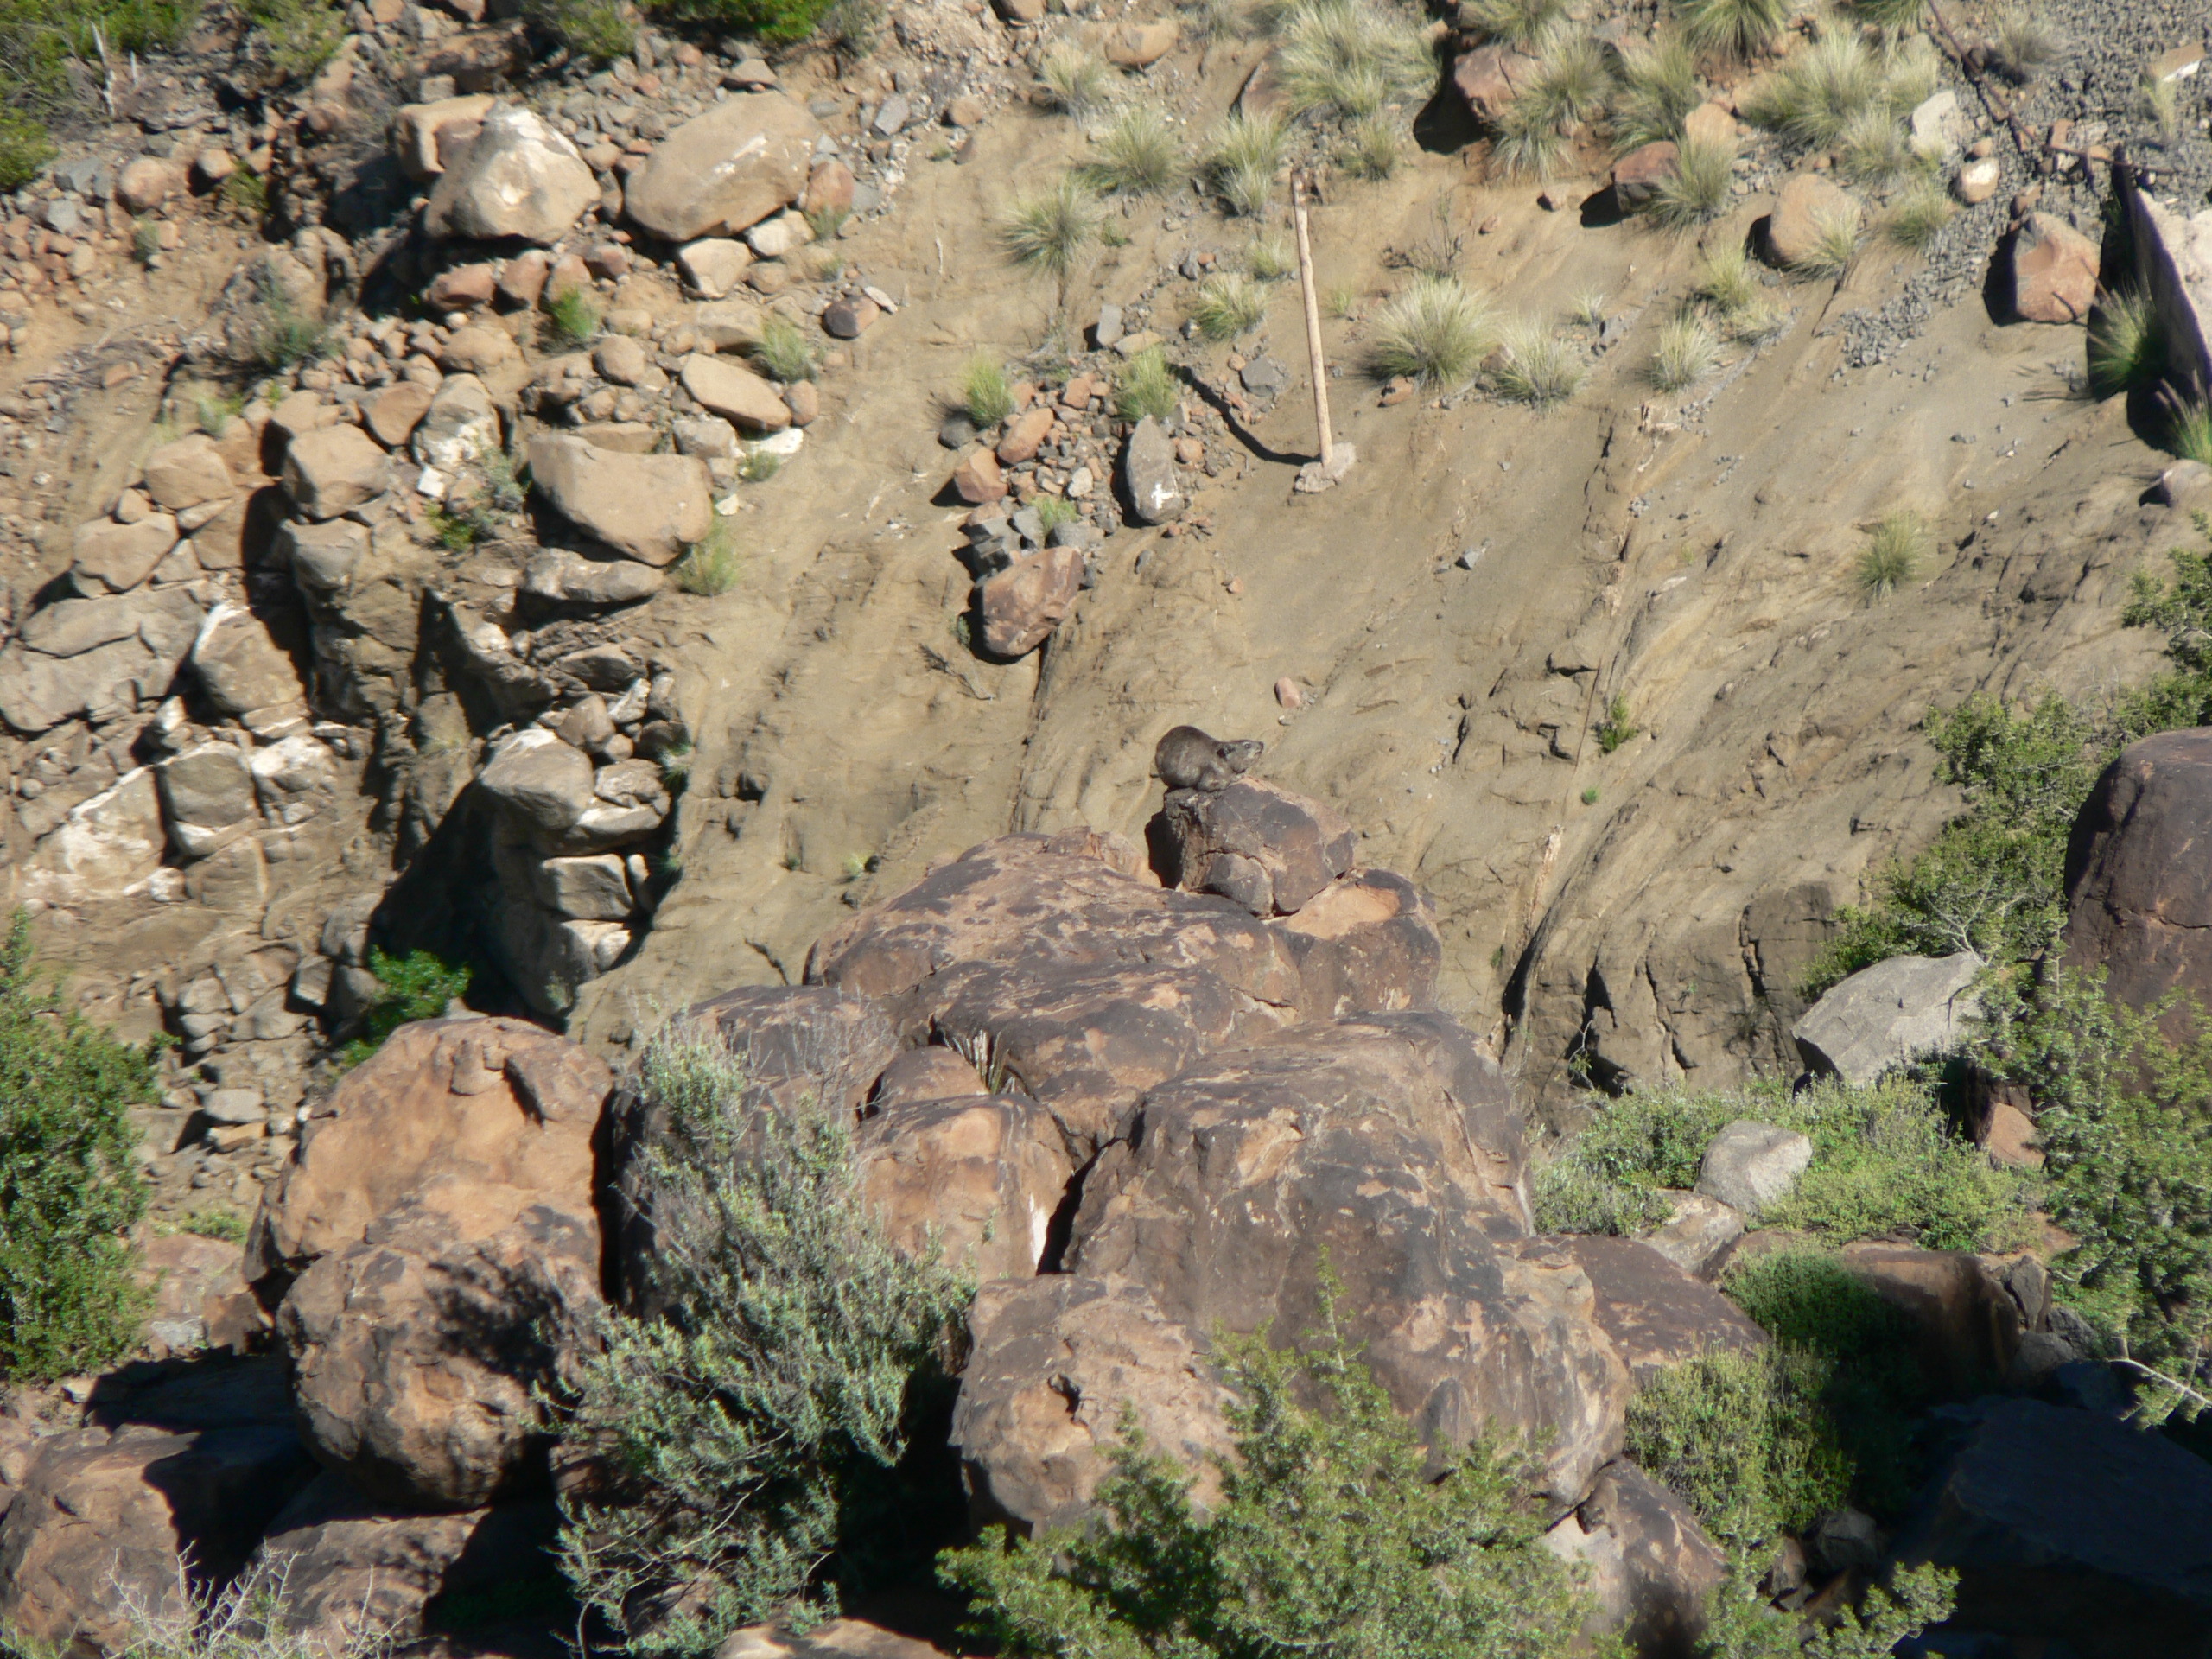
x,y
1657,1315
1896,1012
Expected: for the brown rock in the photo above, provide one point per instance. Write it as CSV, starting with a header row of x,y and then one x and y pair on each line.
x,y
1698,1237
805,401
1638,175
1368,944
335,469
392,415
829,188
1261,845
1657,1315
1023,604
1025,435
978,1178
103,1519
2009,1138
725,170
1019,11
649,507
733,391
517,177
1968,1320
1058,1362
147,183
926,1074
523,277
1807,206
1135,45
840,1638
850,318
2138,895
1710,124
188,473
1651,1567
464,288
2054,272
118,557
240,666
977,479
419,131
1490,78
1036,901
211,167
477,349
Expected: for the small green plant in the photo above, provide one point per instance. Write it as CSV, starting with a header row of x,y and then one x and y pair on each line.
x,y
1049,230
227,1226
984,396
1892,556
857,865
825,222
1350,57
1700,188
1589,795
1333,1537
69,1186
1813,97
2161,101
1687,352
759,465
1536,367
1835,245
1920,211
1518,22
1726,281
2023,39
1242,159
1270,259
1572,83
2191,434
1342,300
1371,147
246,192
284,335
1147,388
416,985
1735,28
1437,330
711,568
242,1618
783,350
1077,81
753,1438
216,411
1053,510
297,37
1658,90
1229,304
455,532
851,27
2127,349
572,317
24,148
676,773
598,31
1617,729
1140,153
145,240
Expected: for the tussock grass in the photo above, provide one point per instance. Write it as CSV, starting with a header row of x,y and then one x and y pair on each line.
x,y
1526,145
984,396
2191,436
1140,153
1725,279
1700,189
783,350
1535,366
1688,351
1228,305
1241,160
1921,209
572,316
1572,82
1350,56
1875,149
1813,97
1215,20
1146,387
1518,22
1590,307
1835,244
1894,15
1895,551
712,567
1733,28
2024,39
1436,331
2126,350
1271,258
1077,81
1658,89
1049,230
1371,147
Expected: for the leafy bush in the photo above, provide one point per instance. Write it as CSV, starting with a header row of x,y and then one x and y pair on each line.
x,y
598,30
227,1226
1332,1540
1740,1625
69,1186
1436,331
24,148
416,985
777,22
2125,1117
1146,387
299,36
1617,729
1568,1196
40,38
750,1439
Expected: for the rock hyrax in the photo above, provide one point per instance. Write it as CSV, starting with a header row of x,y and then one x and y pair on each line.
x,y
1188,759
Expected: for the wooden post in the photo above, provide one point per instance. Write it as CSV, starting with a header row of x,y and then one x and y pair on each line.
x,y
1331,463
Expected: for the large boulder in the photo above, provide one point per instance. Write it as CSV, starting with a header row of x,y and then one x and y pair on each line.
x,y
2067,1525
106,846
104,1520
2054,272
1388,1148
726,170
647,507
188,473
1968,1313
1148,474
39,691
423,135
460,425
335,470
354,1568
978,1178
207,795
1751,1165
1368,944
1657,1315
1898,1011
1022,605
518,178
1810,206
2138,891
1056,1364
547,784
114,558
1032,901
240,667
1652,1568
1252,843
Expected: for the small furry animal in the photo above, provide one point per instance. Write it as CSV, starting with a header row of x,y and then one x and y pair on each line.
x,y
1189,759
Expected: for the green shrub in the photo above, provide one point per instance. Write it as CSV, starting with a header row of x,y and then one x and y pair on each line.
x,y
776,22
2127,349
1617,727
572,315
597,30
298,36
1813,97
751,1439
69,1186
24,148
711,568
416,985
1332,1539
1733,28
1742,1438
1146,387
1229,304
783,350
1741,1624
1892,556
227,1226
1568,1196
984,396
1053,510
1050,229
39,40
2125,1117
283,334
1436,331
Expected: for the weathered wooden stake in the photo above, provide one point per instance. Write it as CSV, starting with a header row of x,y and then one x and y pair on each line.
x,y
1334,460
